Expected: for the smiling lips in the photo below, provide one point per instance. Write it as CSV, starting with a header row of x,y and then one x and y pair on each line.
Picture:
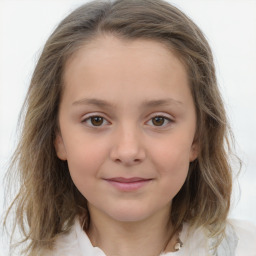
x,y
128,184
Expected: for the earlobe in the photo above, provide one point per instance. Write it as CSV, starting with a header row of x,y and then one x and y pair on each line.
x,y
60,147
194,152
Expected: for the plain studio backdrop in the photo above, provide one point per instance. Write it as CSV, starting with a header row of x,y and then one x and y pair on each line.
x,y
230,27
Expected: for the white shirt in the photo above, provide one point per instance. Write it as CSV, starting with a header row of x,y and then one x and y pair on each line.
x,y
240,240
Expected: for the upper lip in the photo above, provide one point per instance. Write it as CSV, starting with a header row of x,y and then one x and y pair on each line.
x,y
127,180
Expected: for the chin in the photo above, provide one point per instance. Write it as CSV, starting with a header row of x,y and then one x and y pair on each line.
x,y
129,215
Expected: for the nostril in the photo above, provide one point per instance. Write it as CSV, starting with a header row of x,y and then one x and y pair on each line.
x,y
118,160
128,151
127,159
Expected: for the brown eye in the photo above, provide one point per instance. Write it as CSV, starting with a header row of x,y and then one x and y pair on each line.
x,y
158,120
96,120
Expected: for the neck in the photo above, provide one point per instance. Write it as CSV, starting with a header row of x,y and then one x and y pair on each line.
x,y
145,238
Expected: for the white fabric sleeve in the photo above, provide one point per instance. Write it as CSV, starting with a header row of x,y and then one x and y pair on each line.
x,y
246,234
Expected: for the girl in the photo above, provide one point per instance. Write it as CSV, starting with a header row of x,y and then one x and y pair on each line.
x,y
125,143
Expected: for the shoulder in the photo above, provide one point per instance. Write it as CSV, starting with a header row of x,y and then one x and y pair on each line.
x,y
66,244
239,240
246,235
74,243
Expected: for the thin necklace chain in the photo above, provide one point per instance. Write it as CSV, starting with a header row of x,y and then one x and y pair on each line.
x,y
178,244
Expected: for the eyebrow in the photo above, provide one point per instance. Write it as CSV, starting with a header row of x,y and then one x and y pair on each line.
x,y
92,101
147,103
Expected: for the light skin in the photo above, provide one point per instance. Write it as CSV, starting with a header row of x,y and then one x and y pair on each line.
x,y
127,113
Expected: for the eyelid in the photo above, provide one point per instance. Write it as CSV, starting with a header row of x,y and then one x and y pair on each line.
x,y
162,114
168,117
94,114
85,117
91,114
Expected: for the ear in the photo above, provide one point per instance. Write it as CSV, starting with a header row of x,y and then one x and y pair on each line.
x,y
194,151
60,147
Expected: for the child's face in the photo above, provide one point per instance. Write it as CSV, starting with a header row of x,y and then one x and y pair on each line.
x,y
127,125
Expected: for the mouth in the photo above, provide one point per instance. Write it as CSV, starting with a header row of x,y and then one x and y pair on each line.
x,y
128,184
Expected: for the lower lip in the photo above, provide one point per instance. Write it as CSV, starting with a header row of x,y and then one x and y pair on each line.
x,y
129,186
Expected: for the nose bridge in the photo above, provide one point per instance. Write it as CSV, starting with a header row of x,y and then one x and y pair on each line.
x,y
128,147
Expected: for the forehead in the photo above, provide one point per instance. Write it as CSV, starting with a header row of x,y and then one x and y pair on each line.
x,y
112,48
127,68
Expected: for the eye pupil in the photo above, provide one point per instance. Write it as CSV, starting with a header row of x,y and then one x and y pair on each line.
x,y
158,121
97,120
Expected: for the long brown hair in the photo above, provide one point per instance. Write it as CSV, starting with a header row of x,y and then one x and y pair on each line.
x,y
48,201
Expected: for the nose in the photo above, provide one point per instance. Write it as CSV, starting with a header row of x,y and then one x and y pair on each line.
x,y
127,147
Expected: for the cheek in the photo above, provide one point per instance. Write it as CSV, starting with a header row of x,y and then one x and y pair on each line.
x,y
84,161
172,155
172,162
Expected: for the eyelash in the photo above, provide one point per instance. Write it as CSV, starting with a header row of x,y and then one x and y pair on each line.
x,y
167,120
90,120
